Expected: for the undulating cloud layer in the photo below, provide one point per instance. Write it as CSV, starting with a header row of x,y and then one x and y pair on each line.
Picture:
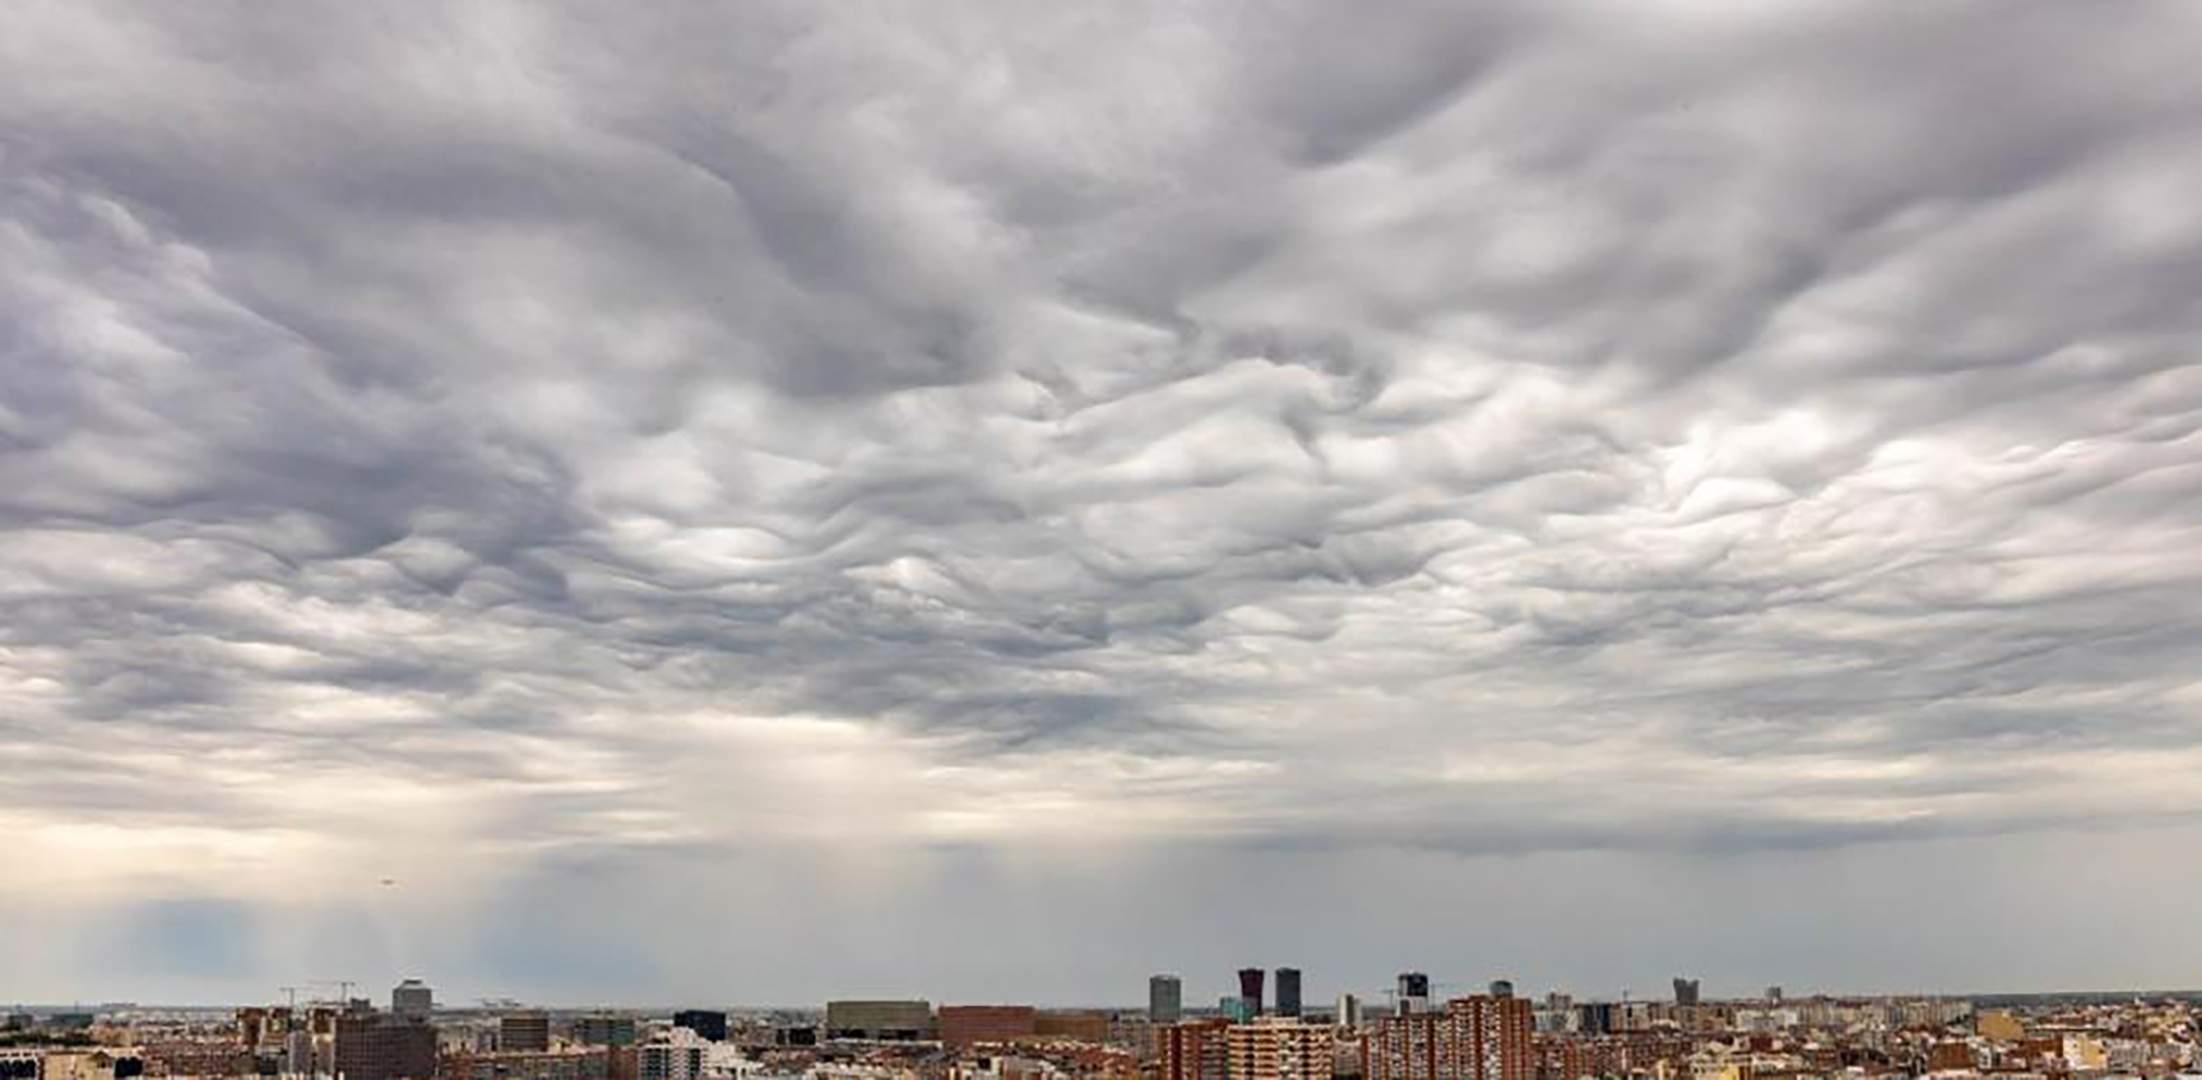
x,y
744,489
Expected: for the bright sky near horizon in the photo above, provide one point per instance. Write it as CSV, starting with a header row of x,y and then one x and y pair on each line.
x,y
752,502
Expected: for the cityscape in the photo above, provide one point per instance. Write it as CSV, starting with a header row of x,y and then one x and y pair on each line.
x,y
1100,540
1417,1030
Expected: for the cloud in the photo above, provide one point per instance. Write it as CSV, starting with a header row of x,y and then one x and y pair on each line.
x,y
479,445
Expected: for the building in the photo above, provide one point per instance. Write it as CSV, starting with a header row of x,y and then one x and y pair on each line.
x,y
412,1000
671,1055
706,1023
1685,991
1278,1048
901,1021
1490,1037
1502,988
1076,1025
1348,1014
1250,988
1288,992
1404,1046
1414,992
384,1046
604,1029
1193,1050
964,1026
1236,1009
524,1032
1165,999
590,1064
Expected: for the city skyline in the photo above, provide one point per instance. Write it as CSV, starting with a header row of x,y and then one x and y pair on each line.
x,y
991,501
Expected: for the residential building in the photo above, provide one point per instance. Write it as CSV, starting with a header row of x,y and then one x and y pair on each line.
x,y
1278,1048
1193,1050
964,1026
524,1032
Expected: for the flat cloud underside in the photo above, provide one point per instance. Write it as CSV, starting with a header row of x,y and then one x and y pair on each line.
x,y
1614,428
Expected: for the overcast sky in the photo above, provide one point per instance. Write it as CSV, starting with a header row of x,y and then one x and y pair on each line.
x,y
987,502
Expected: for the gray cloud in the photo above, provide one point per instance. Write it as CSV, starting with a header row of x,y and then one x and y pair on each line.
x,y
505,442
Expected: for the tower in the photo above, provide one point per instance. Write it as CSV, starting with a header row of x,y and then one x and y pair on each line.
x,y
1250,988
1165,999
1288,992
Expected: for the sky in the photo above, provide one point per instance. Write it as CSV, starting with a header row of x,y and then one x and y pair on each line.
x,y
760,502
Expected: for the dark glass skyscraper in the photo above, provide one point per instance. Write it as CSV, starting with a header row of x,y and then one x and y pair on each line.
x,y
1165,1000
1250,988
1288,991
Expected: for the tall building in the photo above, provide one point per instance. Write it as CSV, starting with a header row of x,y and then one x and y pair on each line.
x,y
1414,992
1165,999
524,1032
1288,992
1250,988
1193,1050
1502,988
1773,994
706,1023
1349,1011
1277,1048
1491,1037
1404,1046
412,1000
1685,991
384,1046
1236,1009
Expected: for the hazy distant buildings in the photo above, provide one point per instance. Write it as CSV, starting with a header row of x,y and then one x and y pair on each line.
x,y
1165,999
900,1021
1348,1013
1288,992
1414,993
524,1032
412,1000
1773,994
1685,991
1250,988
706,1023
604,1029
1277,1048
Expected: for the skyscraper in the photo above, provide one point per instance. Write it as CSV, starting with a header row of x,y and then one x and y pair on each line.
x,y
1165,999
1685,991
1288,992
412,1000
1250,988
1414,992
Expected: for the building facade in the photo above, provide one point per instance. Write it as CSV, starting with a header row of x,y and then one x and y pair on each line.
x,y
524,1032
1278,1049
964,1026
1288,992
900,1021
381,1046
1193,1050
1165,999
706,1023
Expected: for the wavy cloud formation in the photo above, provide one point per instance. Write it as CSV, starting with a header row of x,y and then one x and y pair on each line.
x,y
499,444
